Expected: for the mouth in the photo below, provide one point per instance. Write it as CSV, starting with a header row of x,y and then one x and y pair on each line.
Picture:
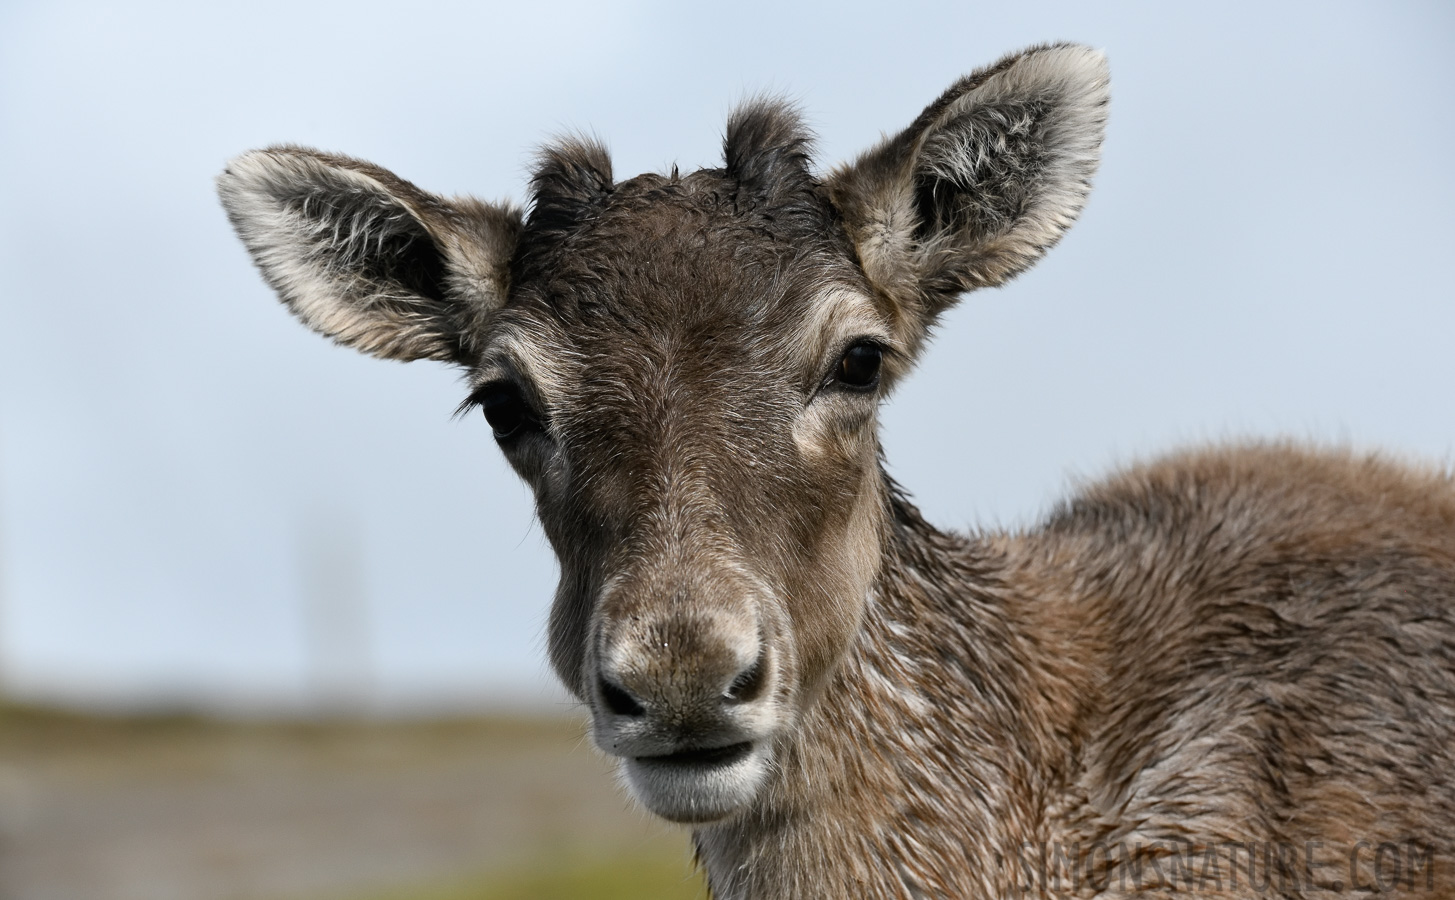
x,y
704,757
700,784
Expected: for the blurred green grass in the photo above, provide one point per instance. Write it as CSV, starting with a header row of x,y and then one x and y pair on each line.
x,y
646,878
489,807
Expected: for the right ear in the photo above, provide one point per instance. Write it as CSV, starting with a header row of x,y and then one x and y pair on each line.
x,y
367,258
985,180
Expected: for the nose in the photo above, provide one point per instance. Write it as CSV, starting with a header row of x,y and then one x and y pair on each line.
x,y
680,671
744,687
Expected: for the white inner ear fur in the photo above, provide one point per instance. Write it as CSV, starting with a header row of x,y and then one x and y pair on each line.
x,y
306,257
1075,85
313,223
877,193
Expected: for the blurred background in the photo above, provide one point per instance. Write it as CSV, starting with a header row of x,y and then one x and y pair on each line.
x,y
271,621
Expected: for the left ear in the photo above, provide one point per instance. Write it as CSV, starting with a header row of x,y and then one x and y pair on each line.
x,y
984,182
367,258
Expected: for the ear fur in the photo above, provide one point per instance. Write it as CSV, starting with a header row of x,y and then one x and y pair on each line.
x,y
367,258
572,181
766,150
984,182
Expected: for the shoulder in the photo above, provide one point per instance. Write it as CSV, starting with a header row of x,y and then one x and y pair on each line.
x,y
1268,489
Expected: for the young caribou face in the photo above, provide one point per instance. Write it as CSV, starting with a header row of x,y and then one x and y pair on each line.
x,y
687,372
688,378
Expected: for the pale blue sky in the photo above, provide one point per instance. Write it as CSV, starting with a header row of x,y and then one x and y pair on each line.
x,y
1267,253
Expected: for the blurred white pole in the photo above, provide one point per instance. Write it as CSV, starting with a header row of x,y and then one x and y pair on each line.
x,y
336,626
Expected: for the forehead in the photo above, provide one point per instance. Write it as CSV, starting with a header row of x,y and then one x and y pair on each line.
x,y
696,257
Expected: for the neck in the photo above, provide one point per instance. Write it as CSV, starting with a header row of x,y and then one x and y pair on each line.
x,y
929,757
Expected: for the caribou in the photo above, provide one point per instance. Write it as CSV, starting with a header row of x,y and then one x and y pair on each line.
x,y
1230,671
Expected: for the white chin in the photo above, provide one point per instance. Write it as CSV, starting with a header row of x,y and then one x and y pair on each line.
x,y
696,792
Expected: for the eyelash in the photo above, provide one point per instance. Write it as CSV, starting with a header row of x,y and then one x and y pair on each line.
x,y
510,414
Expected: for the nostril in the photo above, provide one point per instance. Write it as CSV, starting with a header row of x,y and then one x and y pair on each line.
x,y
619,701
749,683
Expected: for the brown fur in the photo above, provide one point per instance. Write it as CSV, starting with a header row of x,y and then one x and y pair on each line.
x,y
1234,649
1238,657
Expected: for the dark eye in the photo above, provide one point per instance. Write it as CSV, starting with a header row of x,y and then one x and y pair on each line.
x,y
859,367
505,409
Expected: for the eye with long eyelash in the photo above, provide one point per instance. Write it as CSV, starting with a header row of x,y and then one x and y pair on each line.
x,y
505,407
